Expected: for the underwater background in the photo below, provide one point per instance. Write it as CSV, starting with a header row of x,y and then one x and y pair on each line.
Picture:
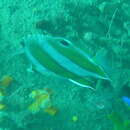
x,y
32,101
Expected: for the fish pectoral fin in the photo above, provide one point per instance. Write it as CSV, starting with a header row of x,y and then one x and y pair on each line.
x,y
30,69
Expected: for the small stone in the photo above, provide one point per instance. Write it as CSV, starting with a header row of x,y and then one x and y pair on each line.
x,y
74,118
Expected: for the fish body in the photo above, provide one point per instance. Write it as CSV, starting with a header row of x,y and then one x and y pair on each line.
x,y
63,58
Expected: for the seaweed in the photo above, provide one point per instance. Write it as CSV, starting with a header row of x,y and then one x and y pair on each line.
x,y
118,121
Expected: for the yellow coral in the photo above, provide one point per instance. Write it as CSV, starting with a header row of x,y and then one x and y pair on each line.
x,y
34,107
2,106
1,95
48,90
6,81
42,100
51,111
33,94
37,93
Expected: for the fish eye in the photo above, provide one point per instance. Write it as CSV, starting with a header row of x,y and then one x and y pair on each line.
x,y
64,43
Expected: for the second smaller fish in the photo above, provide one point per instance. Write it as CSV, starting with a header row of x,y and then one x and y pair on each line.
x,y
126,100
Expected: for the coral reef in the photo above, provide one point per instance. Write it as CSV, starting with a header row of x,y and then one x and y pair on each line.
x,y
95,26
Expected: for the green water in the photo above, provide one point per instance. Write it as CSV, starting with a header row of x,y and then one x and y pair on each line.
x,y
102,29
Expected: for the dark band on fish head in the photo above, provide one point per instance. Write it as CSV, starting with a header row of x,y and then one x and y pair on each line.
x,y
61,42
64,43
